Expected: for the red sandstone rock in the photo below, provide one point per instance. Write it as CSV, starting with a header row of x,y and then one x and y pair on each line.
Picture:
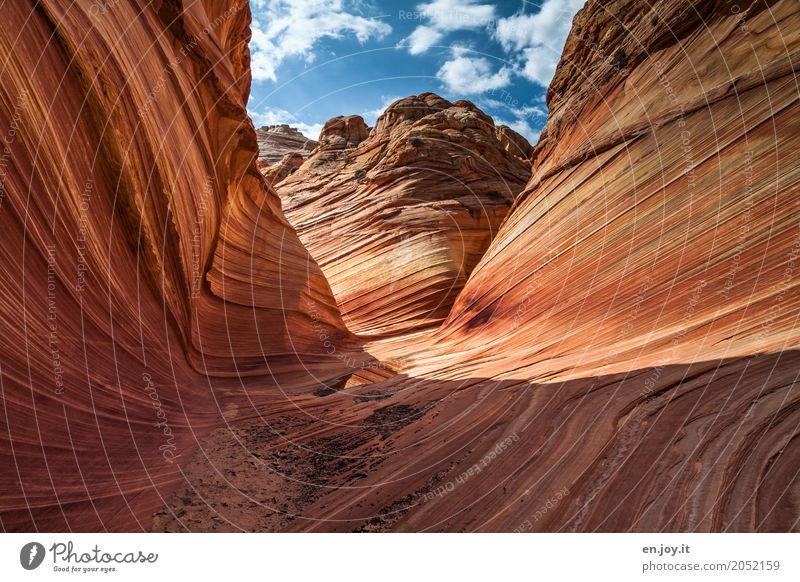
x,y
398,217
623,357
629,340
343,132
152,287
513,142
279,171
275,141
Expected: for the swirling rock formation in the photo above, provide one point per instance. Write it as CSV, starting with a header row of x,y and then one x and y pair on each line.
x,y
625,354
281,170
658,218
152,287
644,285
398,217
622,353
275,141
342,133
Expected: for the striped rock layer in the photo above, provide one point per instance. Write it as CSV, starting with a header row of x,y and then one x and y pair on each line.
x,y
624,356
275,141
152,288
397,217
621,356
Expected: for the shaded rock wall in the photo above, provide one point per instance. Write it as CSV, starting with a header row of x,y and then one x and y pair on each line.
x,y
150,281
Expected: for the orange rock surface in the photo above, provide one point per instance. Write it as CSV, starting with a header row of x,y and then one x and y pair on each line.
x,y
152,287
619,353
279,171
625,354
398,217
275,141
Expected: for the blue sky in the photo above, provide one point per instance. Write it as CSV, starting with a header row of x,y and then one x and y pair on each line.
x,y
315,59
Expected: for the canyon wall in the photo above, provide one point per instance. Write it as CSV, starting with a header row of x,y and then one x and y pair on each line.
x,y
643,288
660,221
601,339
624,356
397,217
152,287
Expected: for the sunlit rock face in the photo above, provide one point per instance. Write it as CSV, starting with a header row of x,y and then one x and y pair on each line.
x,y
280,170
625,354
658,223
615,351
645,283
275,141
397,217
151,284
343,133
513,143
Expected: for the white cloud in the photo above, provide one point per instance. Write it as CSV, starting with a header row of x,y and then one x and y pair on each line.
x,y
443,16
276,116
310,130
371,116
423,38
540,64
518,118
291,28
465,76
460,50
549,26
538,38
450,15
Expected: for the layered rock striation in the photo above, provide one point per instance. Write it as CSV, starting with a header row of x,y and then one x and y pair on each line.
x,y
276,141
281,170
152,288
605,340
624,356
398,216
